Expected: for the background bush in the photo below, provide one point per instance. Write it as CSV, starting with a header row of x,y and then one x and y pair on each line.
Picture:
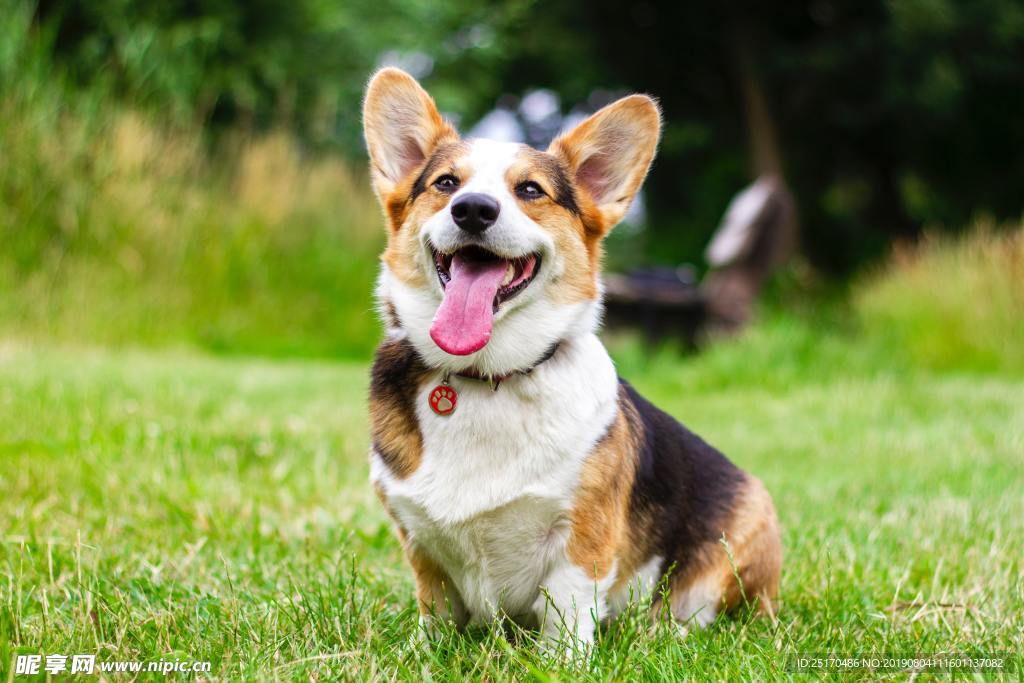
x,y
885,115
952,304
193,174
121,227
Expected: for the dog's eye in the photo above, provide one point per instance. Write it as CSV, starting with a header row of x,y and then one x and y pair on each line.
x,y
447,183
529,190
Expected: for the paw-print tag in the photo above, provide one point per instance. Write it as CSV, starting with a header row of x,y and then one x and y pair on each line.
x,y
443,398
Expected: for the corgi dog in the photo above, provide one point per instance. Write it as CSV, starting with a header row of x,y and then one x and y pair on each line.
x,y
526,480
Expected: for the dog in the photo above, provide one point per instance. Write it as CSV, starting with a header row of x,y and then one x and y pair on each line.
x,y
525,479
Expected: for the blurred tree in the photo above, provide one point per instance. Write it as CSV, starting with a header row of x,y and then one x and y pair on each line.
x,y
888,114
294,63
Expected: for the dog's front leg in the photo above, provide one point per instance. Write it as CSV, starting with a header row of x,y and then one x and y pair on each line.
x,y
574,595
571,604
436,596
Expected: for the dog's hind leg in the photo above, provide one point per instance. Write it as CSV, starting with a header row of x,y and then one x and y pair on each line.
x,y
743,567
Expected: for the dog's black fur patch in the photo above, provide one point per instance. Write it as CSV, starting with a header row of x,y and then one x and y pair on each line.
x,y
684,489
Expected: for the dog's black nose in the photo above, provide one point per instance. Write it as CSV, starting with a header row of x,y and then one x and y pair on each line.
x,y
475,212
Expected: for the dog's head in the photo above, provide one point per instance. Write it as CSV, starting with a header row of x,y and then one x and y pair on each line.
x,y
494,248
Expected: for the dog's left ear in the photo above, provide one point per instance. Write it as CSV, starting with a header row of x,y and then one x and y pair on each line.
x,y
402,127
610,152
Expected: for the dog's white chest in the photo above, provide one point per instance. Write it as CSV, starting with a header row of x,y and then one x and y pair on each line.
x,y
496,559
497,478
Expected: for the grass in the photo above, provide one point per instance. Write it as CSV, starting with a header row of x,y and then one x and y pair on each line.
x,y
177,505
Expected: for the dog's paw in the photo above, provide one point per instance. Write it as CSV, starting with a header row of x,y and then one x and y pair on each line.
x,y
566,650
423,637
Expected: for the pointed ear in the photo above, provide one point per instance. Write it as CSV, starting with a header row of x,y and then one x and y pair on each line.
x,y
610,152
402,127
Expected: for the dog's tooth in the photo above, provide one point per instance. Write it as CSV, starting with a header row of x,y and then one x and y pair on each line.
x,y
510,273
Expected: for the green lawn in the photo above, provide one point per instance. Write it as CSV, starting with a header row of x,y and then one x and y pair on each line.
x,y
175,505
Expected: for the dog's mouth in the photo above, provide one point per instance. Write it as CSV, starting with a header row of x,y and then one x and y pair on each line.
x,y
475,282
516,273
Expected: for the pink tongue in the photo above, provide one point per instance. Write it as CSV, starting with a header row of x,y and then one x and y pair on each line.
x,y
463,321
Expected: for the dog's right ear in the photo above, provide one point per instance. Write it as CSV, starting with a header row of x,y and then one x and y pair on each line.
x,y
402,127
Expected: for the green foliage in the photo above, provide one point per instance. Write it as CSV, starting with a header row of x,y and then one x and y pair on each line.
x,y
119,228
176,505
298,64
885,115
888,115
276,256
952,304
123,225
